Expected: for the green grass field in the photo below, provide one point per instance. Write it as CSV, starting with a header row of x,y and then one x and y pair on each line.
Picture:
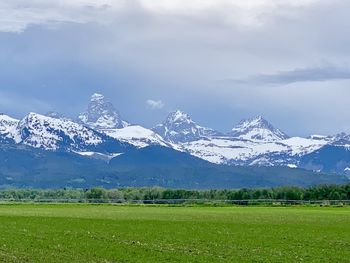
x,y
107,233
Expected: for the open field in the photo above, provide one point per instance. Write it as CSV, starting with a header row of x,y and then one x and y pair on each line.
x,y
107,233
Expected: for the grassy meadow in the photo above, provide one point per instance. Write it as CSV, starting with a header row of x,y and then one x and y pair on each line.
x,y
120,233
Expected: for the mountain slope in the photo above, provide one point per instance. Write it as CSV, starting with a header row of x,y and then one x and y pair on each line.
x,y
329,158
165,167
23,166
158,156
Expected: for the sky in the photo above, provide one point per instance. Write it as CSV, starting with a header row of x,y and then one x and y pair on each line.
x,y
218,60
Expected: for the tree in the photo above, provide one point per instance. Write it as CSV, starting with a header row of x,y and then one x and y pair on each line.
x,y
96,193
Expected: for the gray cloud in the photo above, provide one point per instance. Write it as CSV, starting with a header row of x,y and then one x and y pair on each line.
x,y
325,73
17,15
132,50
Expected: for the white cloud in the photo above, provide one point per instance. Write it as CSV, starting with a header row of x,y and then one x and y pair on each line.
x,y
155,104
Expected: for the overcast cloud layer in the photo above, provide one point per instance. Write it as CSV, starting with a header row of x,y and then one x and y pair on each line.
x,y
218,60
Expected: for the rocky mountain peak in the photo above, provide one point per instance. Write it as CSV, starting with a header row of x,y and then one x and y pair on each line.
x,y
178,127
178,116
97,97
101,114
257,128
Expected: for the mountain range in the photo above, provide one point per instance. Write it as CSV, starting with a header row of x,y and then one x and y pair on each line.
x,y
100,139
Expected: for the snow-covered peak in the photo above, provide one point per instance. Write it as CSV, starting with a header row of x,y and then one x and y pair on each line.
x,y
49,133
179,116
258,129
179,127
101,114
8,128
255,122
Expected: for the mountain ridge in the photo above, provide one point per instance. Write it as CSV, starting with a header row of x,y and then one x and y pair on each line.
x,y
48,133
102,132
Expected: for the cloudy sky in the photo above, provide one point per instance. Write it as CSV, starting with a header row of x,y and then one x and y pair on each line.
x,y
218,60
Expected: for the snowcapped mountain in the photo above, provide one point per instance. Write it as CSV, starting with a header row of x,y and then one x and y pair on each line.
x,y
8,129
101,114
257,129
179,127
48,133
255,142
101,133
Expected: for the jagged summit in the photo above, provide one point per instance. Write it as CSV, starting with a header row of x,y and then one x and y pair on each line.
x,y
255,122
257,128
97,97
179,127
101,114
179,116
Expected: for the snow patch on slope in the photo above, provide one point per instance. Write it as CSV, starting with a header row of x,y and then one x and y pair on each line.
x,y
251,152
98,155
137,136
301,146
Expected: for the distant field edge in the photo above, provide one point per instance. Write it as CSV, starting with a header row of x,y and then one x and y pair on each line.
x,y
182,202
